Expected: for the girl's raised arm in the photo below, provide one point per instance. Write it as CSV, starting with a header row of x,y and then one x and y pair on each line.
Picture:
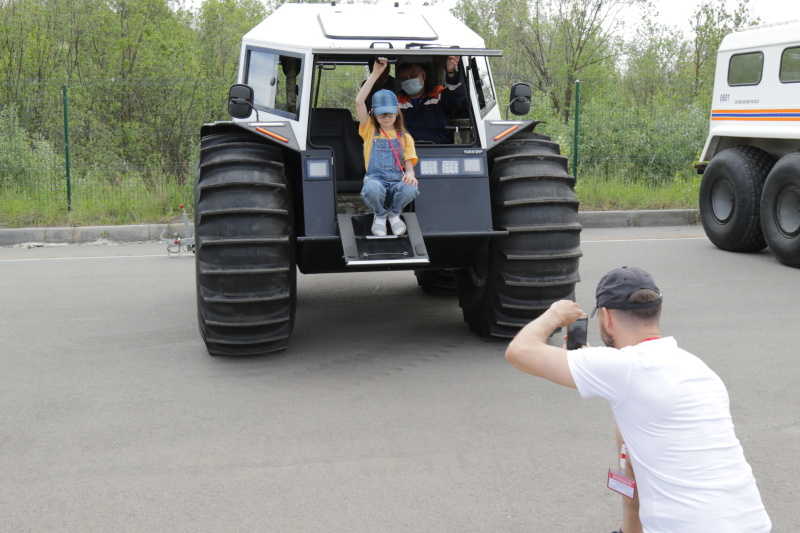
x,y
361,99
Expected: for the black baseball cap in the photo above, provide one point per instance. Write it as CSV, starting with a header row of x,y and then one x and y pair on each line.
x,y
618,285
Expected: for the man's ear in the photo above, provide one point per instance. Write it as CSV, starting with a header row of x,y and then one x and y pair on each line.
x,y
607,316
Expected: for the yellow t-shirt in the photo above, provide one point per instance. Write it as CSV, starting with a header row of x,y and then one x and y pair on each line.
x,y
367,131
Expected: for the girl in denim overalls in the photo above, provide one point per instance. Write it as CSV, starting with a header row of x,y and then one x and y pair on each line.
x,y
389,155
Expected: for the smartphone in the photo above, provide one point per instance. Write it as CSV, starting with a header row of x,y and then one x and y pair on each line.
x,y
576,333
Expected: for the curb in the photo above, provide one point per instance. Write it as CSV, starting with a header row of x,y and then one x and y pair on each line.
x,y
88,234
637,219
152,232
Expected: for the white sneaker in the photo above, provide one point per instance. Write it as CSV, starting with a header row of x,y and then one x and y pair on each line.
x,y
398,226
379,227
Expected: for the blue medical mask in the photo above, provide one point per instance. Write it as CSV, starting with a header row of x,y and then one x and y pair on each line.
x,y
412,86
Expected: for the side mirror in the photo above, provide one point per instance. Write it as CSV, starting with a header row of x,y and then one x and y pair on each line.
x,y
520,99
240,101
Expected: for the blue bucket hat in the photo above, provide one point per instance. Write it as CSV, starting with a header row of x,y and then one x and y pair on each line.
x,y
384,101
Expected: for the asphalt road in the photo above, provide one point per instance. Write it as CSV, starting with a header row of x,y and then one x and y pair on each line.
x,y
386,414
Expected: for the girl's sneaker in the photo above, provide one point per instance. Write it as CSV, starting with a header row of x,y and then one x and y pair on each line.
x,y
398,226
379,227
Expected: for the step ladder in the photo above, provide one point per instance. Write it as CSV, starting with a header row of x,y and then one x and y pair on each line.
x,y
362,248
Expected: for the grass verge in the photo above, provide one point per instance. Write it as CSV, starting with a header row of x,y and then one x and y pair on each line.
x,y
625,194
113,205
94,206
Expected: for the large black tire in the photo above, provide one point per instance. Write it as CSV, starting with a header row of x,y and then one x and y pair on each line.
x,y
780,210
730,197
245,246
437,282
517,277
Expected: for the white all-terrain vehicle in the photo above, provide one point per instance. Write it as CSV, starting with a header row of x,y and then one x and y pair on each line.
x,y
750,191
496,221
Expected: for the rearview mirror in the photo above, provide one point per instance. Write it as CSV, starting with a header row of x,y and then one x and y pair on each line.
x,y
240,101
520,99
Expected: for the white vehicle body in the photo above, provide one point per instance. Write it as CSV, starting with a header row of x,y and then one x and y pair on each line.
x,y
495,220
763,111
354,29
750,191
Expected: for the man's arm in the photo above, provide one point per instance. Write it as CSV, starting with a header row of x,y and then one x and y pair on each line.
x,y
455,93
530,352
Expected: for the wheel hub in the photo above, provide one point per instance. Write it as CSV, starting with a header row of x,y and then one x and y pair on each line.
x,y
723,200
478,272
787,212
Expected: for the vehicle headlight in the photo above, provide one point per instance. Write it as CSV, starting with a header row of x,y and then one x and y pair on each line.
x,y
450,167
318,168
427,166
473,164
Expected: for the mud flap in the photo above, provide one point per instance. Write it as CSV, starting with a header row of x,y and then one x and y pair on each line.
x,y
362,248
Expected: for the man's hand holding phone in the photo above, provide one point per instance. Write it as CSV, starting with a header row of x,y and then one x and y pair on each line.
x,y
577,333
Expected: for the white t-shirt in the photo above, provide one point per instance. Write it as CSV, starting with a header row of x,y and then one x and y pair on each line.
x,y
674,414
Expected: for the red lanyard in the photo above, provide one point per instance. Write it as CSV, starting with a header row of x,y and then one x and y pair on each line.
x,y
623,458
396,157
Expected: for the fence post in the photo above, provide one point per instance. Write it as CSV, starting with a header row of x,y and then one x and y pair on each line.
x,y
66,146
575,136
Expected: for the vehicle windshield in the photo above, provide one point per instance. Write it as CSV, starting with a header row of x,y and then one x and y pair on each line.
x,y
337,81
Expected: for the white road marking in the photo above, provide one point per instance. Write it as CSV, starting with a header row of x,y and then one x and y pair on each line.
x,y
642,239
592,240
19,259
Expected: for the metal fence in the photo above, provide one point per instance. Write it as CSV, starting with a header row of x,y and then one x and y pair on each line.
x,y
642,131
125,151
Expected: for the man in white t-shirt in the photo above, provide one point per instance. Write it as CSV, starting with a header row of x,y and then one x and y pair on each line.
x,y
674,425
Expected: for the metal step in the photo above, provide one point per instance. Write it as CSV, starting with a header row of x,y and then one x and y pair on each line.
x,y
362,248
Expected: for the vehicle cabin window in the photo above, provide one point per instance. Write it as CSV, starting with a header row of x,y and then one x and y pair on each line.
x,y
745,69
337,83
790,65
483,84
276,81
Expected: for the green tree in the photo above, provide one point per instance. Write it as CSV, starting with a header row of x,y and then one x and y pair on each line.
x,y
551,43
710,22
221,25
656,57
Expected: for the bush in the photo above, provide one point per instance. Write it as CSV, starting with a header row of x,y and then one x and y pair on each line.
x,y
27,160
652,141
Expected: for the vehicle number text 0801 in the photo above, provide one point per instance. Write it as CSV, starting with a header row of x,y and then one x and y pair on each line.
x,y
724,97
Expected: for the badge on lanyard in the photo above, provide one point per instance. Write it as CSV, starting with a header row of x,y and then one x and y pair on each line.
x,y
617,481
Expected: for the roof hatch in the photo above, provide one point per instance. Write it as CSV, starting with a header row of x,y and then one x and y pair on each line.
x,y
367,25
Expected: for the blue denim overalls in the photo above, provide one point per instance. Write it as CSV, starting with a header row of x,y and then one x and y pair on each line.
x,y
384,191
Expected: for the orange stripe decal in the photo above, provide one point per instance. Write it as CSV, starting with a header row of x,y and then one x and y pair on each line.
x,y
763,119
273,135
509,130
756,114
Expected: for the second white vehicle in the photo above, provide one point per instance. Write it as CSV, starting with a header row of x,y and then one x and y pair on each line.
x,y
750,191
